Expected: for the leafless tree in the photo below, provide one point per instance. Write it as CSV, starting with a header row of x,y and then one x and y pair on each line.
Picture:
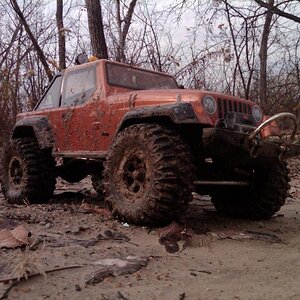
x,y
256,44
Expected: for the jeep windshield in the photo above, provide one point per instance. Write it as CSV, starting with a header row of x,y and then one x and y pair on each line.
x,y
138,79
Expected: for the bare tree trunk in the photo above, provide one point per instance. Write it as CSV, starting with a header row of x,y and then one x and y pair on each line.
x,y
123,30
34,41
95,22
263,55
61,34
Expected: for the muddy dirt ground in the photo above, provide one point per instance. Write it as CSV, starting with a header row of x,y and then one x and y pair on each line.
x,y
85,254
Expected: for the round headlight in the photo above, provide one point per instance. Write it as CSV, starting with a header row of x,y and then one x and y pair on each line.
x,y
257,113
209,104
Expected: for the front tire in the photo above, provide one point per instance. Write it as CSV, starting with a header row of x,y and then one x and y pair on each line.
x,y
269,185
148,175
28,172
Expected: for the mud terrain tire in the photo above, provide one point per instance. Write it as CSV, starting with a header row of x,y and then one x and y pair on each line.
x,y
28,172
265,196
149,175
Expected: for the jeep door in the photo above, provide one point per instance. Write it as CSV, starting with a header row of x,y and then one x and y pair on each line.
x,y
76,117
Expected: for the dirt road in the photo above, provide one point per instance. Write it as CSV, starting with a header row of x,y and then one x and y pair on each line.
x,y
225,259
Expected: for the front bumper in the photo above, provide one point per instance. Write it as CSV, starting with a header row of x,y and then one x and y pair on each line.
x,y
237,146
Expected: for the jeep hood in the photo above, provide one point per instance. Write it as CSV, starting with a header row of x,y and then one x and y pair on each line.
x,y
159,97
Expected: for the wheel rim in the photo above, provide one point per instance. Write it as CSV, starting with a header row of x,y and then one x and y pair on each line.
x,y
16,171
133,177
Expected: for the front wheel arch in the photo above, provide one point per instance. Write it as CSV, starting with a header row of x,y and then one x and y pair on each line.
x,y
161,120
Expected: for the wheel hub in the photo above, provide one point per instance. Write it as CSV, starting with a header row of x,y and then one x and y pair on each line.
x,y
134,176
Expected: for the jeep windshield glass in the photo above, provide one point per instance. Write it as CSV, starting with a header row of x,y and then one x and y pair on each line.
x,y
137,79
52,96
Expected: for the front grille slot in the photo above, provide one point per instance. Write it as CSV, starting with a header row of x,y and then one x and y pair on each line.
x,y
240,107
249,109
235,106
225,102
230,105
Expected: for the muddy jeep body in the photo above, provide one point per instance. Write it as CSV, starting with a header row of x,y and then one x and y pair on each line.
x,y
148,144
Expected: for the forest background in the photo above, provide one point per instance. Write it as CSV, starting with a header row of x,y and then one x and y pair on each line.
x,y
247,48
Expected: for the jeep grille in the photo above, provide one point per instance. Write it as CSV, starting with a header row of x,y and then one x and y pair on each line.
x,y
225,105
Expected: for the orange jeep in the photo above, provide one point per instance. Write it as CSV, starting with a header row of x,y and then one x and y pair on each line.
x,y
148,145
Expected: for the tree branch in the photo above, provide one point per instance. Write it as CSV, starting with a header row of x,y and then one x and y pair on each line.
x,y
277,11
34,41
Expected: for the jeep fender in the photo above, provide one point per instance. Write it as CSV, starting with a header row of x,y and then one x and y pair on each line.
x,y
176,113
37,127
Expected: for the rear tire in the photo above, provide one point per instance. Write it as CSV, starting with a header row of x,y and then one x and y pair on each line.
x,y
148,175
265,196
28,172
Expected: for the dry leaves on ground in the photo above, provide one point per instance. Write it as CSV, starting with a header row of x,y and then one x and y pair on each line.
x,y
170,235
13,234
